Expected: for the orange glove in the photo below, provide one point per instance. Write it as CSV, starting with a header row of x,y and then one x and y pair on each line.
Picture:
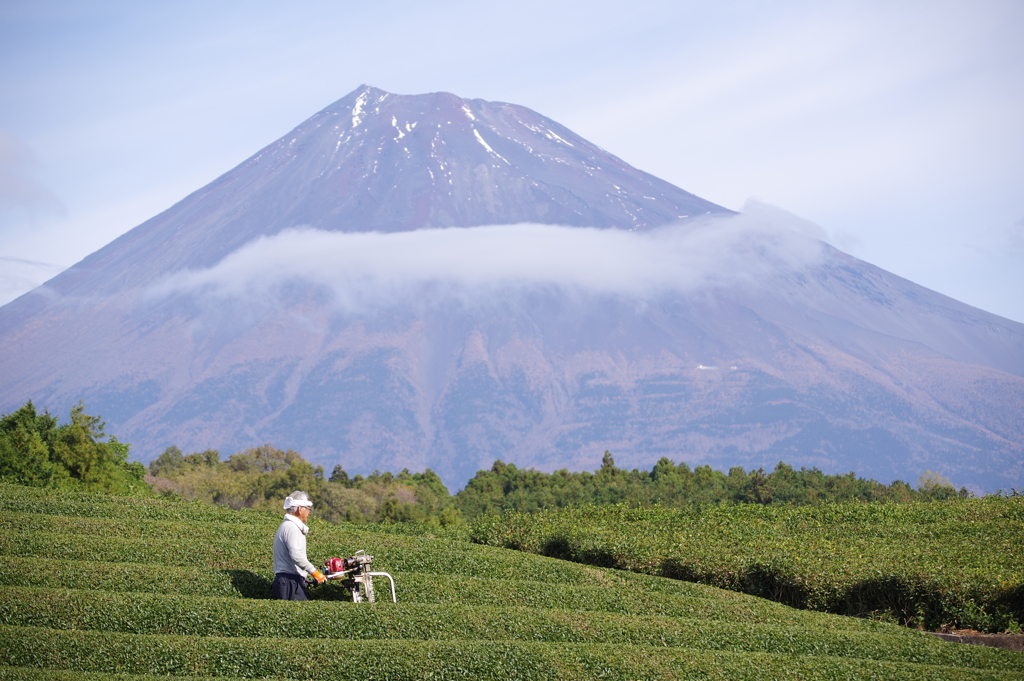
x,y
318,576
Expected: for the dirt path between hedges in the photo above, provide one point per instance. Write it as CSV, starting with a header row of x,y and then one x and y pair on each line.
x,y
976,638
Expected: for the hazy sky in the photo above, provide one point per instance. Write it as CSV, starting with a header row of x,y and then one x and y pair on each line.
x,y
895,126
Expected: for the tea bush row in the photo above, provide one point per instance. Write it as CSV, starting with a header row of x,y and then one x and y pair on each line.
x,y
339,660
126,527
392,554
16,498
957,565
194,616
257,529
36,674
611,592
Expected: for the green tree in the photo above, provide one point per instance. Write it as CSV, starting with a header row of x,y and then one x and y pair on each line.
x,y
936,486
169,464
35,450
24,455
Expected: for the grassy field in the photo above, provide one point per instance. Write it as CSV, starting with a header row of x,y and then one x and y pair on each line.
x,y
101,588
956,563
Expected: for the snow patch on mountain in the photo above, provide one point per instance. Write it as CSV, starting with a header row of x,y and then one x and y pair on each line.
x,y
487,146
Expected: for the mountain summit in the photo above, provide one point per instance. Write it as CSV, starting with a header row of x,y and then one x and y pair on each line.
x,y
378,162
522,294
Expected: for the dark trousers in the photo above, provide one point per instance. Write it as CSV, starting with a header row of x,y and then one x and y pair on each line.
x,y
289,587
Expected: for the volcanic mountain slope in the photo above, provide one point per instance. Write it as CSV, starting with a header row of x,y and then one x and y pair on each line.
x,y
817,359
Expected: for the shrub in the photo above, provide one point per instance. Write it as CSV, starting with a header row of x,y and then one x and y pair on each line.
x,y
339,660
36,674
203,617
929,565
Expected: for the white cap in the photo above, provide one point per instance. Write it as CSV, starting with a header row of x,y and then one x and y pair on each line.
x,y
297,499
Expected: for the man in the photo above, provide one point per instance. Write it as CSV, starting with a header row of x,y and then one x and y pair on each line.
x,y
290,563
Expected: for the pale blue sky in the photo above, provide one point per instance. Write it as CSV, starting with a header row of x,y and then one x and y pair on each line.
x,y
896,126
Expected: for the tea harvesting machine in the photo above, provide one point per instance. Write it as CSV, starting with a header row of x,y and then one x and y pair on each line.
x,y
356,575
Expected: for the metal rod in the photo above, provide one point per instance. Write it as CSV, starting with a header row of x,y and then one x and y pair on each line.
x,y
394,598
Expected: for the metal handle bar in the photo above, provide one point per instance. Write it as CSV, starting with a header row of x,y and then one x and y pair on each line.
x,y
394,599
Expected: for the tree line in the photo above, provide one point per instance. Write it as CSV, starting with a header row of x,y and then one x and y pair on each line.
x,y
36,450
260,477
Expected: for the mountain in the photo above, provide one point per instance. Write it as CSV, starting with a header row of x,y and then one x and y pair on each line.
x,y
318,297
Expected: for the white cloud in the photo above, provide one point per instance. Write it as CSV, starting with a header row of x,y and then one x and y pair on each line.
x,y
366,270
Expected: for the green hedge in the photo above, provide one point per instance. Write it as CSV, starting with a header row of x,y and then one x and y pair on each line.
x,y
949,563
132,577
617,593
335,660
37,674
392,554
19,499
207,530
202,617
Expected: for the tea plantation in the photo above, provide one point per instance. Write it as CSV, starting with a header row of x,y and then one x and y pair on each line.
x,y
956,563
104,588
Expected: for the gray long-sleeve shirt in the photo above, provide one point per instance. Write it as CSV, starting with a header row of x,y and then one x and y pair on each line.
x,y
290,548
